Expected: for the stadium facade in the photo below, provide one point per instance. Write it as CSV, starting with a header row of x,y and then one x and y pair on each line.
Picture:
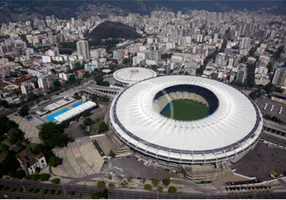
x,y
231,128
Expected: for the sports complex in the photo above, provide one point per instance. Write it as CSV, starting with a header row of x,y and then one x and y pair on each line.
x,y
186,120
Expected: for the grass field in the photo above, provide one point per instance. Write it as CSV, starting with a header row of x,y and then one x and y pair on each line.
x,y
186,110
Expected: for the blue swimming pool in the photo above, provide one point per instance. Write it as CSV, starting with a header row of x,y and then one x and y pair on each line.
x,y
76,104
51,117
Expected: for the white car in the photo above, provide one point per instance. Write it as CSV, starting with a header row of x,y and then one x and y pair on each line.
x,y
271,109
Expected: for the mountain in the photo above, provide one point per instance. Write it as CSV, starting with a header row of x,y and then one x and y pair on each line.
x,y
11,10
114,30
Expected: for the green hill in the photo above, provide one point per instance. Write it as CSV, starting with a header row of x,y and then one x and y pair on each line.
x,y
113,30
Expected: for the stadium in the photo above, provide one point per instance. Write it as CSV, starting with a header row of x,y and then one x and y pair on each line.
x,y
130,75
186,120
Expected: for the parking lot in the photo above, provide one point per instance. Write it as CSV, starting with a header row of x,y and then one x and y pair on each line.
x,y
260,161
272,108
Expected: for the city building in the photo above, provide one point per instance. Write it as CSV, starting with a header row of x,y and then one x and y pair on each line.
x,y
241,73
279,78
83,49
31,163
45,81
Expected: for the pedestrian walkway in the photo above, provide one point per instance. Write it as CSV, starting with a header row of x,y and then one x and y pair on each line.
x,y
80,159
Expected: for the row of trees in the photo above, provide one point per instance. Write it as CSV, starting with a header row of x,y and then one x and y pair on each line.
x,y
10,132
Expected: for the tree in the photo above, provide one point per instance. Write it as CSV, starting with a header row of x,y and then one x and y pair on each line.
x,y
45,177
86,113
24,111
53,71
166,181
43,191
72,78
16,136
172,189
155,182
54,161
111,185
57,84
98,79
4,103
10,164
52,135
102,127
124,183
104,193
126,61
270,67
96,195
243,59
56,181
104,83
17,174
82,126
148,187
112,154
160,189
87,121
277,53
101,185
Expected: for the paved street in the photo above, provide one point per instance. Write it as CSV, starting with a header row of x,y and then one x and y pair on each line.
x,y
128,194
124,194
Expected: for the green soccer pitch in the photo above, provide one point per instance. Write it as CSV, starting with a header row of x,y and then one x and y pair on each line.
x,y
186,110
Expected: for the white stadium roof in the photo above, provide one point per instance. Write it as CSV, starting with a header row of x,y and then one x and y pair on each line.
x,y
75,111
131,75
233,127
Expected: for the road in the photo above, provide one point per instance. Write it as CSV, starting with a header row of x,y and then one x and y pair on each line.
x,y
128,194
121,194
82,189
22,195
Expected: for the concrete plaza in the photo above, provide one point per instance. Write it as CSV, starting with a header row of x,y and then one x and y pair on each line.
x,y
80,159
28,127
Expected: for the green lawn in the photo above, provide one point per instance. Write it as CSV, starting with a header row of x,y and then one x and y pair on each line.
x,y
186,110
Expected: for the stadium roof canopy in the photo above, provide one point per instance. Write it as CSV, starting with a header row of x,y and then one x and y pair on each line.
x,y
75,111
131,75
233,127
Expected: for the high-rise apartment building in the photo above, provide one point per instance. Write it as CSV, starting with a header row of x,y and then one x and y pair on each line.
x,y
279,78
83,49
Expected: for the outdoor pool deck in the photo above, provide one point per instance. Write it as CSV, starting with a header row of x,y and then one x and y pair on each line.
x,y
50,117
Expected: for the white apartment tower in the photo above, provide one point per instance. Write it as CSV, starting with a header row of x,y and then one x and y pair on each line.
x,y
83,49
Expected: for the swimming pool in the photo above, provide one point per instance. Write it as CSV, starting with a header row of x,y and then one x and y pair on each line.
x,y
76,104
51,117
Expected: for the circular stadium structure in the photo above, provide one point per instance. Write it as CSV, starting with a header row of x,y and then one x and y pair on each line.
x,y
207,121
131,75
